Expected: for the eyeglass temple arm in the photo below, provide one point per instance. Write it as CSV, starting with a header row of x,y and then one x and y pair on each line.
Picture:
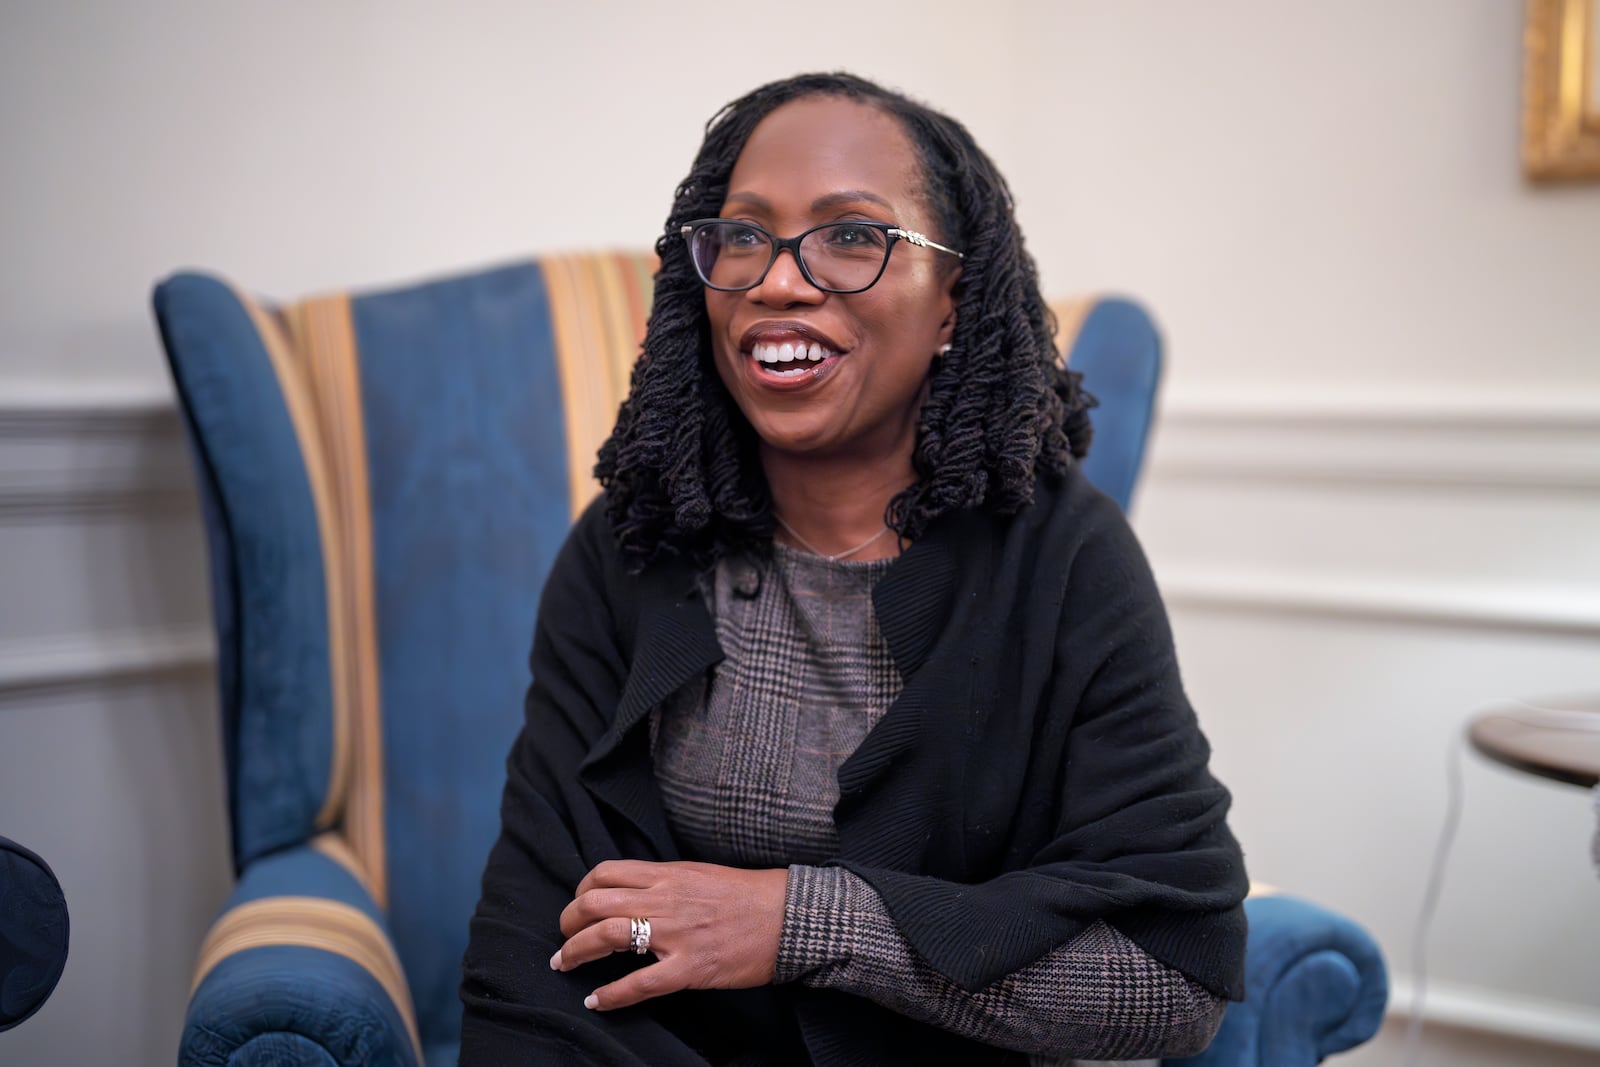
x,y
922,240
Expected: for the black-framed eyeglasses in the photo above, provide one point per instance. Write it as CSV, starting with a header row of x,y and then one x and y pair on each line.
x,y
836,257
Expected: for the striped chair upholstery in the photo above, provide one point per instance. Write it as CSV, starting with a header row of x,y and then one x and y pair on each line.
x,y
385,478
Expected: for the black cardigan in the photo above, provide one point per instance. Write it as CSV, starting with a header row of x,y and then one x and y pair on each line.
x,y
1040,770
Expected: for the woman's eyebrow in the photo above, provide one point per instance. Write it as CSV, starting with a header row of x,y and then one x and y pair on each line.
x,y
822,203
760,203
848,196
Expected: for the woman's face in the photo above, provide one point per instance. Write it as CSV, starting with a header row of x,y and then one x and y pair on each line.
x,y
830,159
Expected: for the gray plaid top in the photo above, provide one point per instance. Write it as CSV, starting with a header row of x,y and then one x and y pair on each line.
x,y
747,766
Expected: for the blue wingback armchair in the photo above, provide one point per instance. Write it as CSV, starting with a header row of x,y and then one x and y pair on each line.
x,y
385,480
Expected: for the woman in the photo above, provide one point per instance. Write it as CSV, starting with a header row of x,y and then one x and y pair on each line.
x,y
855,734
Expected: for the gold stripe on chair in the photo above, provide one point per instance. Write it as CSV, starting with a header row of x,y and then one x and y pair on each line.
x,y
327,345
333,845
1070,315
297,396
316,923
625,315
598,311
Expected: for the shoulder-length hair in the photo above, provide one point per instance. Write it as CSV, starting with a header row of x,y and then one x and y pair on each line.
x,y
681,469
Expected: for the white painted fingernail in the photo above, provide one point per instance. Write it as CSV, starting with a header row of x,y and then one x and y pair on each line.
x,y
591,1002
555,961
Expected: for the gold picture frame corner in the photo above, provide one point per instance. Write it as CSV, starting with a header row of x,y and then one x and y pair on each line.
x,y
1561,91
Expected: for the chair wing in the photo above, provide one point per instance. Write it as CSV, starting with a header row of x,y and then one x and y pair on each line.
x,y
1115,346
386,478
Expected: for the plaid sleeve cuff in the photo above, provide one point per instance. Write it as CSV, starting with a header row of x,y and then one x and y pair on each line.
x,y
821,920
1097,997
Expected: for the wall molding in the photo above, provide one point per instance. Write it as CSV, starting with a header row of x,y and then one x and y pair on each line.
x,y
1471,407
1386,601
1462,1007
1466,440
29,665
1485,445
71,450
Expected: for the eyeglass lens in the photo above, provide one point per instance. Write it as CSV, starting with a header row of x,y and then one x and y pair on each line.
x,y
839,256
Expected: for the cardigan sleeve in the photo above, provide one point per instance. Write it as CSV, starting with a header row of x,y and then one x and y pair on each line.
x,y
1122,820
516,1009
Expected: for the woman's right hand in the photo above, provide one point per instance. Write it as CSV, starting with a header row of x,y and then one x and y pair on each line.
x,y
711,927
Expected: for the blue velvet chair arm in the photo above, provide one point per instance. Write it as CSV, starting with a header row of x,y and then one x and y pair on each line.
x,y
299,968
1315,984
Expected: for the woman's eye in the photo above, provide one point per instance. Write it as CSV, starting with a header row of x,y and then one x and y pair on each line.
x,y
741,237
848,236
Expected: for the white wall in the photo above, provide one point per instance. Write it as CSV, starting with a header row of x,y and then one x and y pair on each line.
x,y
1317,197
1374,502
304,145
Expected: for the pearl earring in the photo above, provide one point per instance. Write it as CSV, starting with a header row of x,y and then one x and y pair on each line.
x,y
944,349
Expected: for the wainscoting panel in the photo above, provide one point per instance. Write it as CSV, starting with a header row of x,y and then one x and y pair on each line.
x,y
110,755
117,783
1350,579
70,450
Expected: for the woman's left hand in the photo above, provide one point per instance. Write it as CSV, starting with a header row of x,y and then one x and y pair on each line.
x,y
711,927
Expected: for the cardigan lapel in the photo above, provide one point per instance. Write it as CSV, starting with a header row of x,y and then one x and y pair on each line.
x,y
912,599
885,815
676,642
913,602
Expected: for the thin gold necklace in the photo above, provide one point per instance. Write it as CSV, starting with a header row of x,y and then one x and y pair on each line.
x,y
815,551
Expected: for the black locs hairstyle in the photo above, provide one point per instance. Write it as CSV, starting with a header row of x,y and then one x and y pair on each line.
x,y
681,468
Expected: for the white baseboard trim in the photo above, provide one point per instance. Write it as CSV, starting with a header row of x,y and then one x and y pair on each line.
x,y
33,664
1462,1007
1570,612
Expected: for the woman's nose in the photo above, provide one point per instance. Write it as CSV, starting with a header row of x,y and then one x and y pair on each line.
x,y
785,284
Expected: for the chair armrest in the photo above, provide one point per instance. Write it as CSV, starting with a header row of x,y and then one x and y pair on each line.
x,y
299,968
1315,984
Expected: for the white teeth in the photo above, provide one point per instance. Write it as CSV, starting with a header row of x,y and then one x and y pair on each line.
x,y
789,352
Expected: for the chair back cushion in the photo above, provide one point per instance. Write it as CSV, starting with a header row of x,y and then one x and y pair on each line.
x,y
1114,344
386,480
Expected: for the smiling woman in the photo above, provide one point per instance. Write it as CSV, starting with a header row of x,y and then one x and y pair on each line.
x,y
791,789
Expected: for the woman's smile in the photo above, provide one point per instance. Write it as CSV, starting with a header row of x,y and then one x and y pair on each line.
x,y
788,355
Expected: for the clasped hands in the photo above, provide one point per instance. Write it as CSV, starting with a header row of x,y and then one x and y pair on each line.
x,y
711,927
